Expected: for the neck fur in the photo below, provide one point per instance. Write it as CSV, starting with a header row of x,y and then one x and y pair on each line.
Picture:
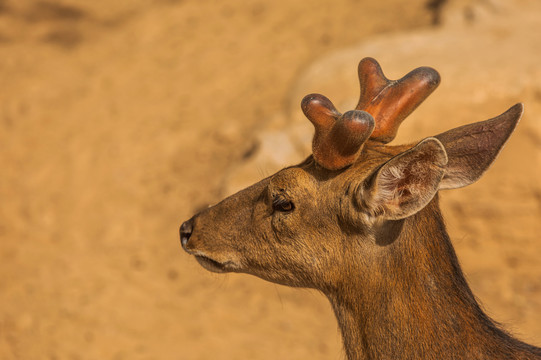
x,y
414,303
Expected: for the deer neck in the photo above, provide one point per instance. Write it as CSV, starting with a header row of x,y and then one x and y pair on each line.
x,y
412,301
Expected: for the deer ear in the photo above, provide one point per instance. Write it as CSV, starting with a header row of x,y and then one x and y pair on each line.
x,y
472,148
407,182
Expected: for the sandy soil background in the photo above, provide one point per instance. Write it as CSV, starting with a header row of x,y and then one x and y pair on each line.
x,y
118,120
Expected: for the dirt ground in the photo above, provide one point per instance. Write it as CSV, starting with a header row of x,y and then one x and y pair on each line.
x,y
118,120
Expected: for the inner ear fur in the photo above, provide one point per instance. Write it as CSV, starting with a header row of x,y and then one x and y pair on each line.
x,y
407,182
472,148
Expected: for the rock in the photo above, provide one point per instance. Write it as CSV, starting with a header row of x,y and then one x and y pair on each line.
x,y
486,53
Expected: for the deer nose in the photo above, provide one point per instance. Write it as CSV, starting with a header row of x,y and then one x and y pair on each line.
x,y
185,232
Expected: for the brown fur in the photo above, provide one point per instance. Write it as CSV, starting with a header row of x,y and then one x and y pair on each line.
x,y
372,239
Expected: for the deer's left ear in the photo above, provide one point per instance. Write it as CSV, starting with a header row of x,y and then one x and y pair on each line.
x,y
472,148
407,182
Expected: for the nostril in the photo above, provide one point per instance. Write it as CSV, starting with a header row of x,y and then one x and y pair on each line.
x,y
185,232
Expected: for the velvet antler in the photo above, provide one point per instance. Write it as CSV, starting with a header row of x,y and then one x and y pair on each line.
x,y
339,138
391,101
382,107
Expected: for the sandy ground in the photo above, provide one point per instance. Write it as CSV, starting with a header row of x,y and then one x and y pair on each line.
x,y
118,120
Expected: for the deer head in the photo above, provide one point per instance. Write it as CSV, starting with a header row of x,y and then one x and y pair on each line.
x,y
312,224
359,220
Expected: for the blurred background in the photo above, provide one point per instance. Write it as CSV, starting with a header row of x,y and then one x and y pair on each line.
x,y
119,120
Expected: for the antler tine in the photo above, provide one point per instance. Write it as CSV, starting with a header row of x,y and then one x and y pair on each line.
x,y
320,111
338,139
391,101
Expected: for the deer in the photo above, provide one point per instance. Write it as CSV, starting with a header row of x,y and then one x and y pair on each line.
x,y
359,221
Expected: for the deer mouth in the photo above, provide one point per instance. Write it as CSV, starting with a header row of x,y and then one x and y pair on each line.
x,y
213,265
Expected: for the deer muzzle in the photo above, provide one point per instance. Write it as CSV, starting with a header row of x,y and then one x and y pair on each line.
x,y
185,232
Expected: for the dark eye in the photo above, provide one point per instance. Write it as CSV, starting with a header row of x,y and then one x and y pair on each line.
x,y
282,204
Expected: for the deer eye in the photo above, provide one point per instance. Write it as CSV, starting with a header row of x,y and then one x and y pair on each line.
x,y
279,203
